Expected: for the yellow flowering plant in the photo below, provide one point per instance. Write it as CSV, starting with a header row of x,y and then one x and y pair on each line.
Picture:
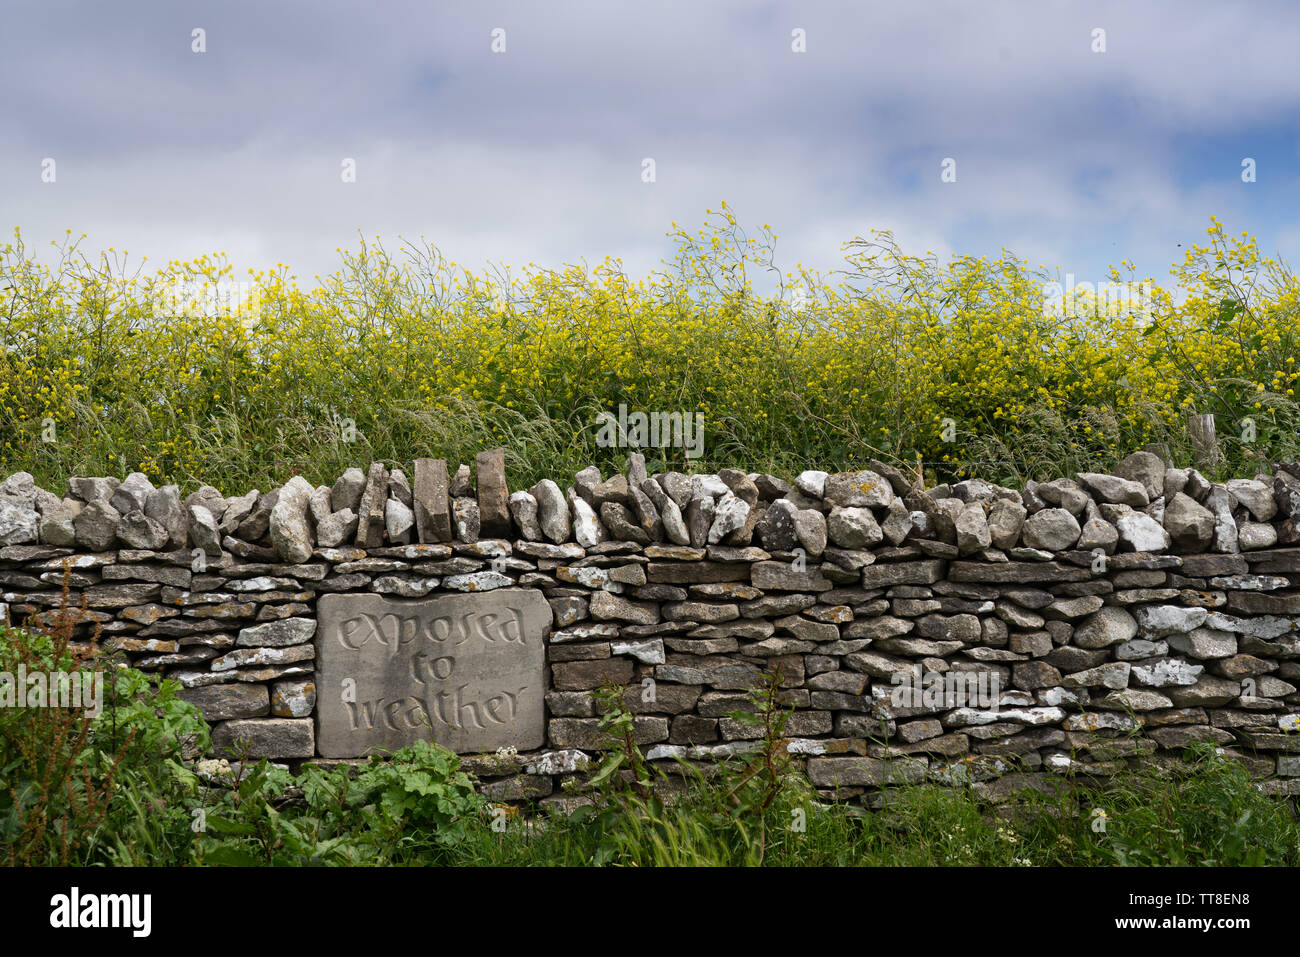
x,y
194,376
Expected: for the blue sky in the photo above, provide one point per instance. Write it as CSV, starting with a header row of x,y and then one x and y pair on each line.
x,y
1067,157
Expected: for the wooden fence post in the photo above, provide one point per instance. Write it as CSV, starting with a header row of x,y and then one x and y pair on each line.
x,y
1205,447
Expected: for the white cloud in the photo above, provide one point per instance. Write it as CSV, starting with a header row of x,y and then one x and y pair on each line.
x,y
534,154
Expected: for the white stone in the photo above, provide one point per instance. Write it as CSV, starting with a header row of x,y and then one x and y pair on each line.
x,y
964,717
477,581
587,530
290,532
650,652
1166,673
729,515
1157,621
1142,532
811,482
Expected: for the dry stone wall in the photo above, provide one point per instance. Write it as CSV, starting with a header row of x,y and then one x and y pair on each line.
x,y
967,634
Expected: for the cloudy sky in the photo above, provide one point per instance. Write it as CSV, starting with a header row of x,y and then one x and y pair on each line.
x,y
1067,156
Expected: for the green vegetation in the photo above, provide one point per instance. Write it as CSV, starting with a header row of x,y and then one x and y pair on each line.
x,y
118,789
192,374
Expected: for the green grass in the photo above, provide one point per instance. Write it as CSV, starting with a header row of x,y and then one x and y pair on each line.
x,y
1206,812
398,355
119,789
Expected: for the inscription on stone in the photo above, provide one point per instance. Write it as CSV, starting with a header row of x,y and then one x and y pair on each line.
x,y
466,671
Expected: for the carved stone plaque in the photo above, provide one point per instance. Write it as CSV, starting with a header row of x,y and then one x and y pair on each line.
x,y
466,671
